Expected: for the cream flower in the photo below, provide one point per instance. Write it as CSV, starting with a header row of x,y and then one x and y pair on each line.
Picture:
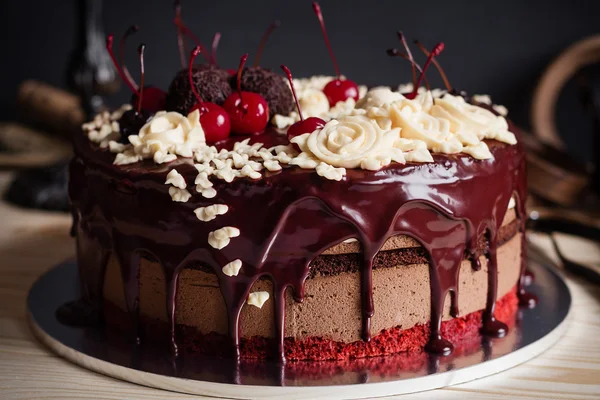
x,y
419,125
351,142
470,119
167,135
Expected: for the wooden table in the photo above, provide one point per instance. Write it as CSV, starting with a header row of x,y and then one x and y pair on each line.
x,y
33,241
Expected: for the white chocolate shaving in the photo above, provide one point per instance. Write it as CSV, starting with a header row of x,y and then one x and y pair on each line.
x,y
233,268
210,212
176,179
180,195
221,237
258,299
329,172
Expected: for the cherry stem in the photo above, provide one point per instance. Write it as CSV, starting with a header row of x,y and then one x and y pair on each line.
x,y
215,45
434,53
410,56
197,50
415,65
109,47
182,29
141,50
437,66
317,10
130,31
180,39
274,25
239,76
288,73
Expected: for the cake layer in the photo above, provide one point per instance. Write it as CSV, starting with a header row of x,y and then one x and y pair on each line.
x,y
331,307
402,347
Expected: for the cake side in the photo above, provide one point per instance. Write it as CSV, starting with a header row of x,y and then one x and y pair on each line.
x,y
267,224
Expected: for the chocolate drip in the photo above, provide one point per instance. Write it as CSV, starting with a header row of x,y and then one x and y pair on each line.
x,y
130,273
290,217
526,299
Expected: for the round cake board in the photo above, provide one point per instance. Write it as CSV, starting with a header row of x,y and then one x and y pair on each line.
x,y
534,331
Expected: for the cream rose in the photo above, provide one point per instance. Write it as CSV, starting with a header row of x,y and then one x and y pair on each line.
x,y
419,125
351,142
468,119
167,135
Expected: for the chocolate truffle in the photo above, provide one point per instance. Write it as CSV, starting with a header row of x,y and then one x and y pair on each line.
x,y
271,86
211,84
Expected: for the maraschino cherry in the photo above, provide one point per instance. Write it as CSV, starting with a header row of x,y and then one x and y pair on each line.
x,y
133,120
213,118
248,111
154,98
338,89
308,125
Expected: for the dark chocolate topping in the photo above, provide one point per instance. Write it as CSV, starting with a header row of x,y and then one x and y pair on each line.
x,y
290,217
211,84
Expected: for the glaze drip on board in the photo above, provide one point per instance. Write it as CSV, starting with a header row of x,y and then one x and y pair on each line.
x,y
288,218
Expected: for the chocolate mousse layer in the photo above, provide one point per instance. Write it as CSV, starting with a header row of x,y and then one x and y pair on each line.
x,y
331,308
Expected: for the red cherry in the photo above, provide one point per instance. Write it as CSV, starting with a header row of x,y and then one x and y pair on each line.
x,y
248,111
213,118
153,99
249,114
231,71
308,125
336,90
340,90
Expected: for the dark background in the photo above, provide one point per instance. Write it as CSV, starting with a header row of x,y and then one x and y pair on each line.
x,y
495,47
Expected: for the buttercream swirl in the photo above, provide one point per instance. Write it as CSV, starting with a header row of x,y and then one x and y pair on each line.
x,y
354,141
163,138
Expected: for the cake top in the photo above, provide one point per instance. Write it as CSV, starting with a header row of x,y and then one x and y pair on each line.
x,y
211,116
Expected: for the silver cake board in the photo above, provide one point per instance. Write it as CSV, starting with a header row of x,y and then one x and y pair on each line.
x,y
533,331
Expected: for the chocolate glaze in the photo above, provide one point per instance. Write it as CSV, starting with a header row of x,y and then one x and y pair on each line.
x,y
288,218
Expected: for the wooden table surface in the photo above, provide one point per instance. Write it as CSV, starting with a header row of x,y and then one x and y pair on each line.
x,y
33,241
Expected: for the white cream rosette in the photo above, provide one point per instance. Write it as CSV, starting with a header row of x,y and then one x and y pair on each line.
x,y
167,135
416,124
354,141
467,119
